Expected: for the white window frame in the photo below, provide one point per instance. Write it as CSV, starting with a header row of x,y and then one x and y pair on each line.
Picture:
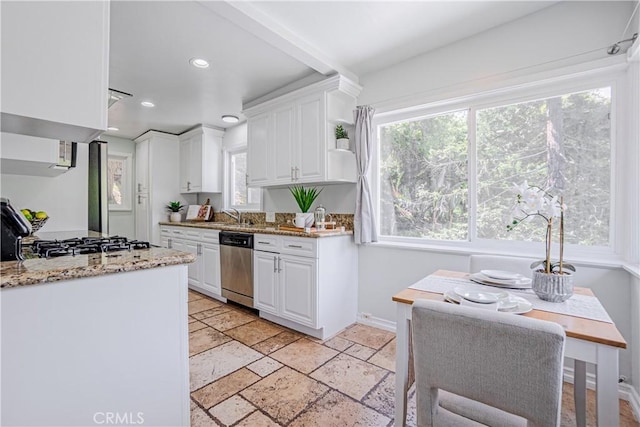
x,y
515,94
127,180
228,183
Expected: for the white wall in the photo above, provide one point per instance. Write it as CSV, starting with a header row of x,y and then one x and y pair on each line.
x,y
545,41
64,198
123,223
336,198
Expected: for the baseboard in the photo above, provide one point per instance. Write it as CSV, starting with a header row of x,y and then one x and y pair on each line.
x,y
625,391
368,319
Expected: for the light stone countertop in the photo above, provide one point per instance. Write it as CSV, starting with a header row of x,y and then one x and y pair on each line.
x,y
257,229
40,270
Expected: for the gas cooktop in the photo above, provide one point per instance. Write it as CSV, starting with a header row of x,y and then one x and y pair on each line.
x,y
85,245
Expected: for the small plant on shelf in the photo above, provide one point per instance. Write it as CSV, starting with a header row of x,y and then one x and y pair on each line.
x,y
341,132
174,207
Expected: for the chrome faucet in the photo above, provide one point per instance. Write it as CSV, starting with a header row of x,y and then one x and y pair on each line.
x,y
237,216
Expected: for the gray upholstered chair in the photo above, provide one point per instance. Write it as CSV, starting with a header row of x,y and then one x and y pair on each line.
x,y
481,367
494,262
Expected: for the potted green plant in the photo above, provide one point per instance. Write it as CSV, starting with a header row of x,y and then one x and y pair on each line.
x,y
342,138
551,280
175,208
305,198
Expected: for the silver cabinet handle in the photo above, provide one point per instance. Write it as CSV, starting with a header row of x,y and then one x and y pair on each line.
x,y
279,266
139,187
297,173
264,243
188,186
275,264
292,174
169,243
246,180
199,249
294,246
139,199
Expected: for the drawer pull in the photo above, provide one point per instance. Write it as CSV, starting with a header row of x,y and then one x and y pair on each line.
x,y
264,243
295,246
275,264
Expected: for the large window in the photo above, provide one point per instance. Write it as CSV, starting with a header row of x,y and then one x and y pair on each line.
x,y
448,176
240,195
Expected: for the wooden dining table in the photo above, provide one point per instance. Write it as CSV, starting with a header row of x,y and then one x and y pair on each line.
x,y
588,341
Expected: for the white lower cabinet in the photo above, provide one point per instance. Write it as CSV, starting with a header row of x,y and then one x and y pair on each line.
x,y
204,273
306,284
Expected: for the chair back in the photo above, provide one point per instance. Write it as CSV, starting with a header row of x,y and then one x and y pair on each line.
x,y
509,362
494,262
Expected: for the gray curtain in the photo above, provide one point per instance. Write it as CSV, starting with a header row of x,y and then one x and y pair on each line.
x,y
364,223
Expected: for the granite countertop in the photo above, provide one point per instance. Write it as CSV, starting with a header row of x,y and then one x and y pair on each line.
x,y
261,229
41,270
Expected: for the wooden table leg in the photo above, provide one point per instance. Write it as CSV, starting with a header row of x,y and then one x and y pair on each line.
x,y
402,363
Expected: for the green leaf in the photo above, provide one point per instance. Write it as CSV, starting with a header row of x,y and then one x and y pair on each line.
x,y
304,197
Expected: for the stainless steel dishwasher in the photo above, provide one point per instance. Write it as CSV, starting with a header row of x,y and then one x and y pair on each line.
x,y
236,266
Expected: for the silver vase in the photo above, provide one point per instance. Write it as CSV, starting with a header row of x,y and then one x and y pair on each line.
x,y
552,287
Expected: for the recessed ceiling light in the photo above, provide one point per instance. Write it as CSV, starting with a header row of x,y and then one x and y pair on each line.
x,y
113,128
148,104
199,62
230,119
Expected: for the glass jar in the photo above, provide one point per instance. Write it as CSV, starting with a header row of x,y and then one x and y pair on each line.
x,y
319,216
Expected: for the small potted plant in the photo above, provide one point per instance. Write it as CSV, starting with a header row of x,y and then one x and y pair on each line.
x,y
175,208
551,280
305,198
342,138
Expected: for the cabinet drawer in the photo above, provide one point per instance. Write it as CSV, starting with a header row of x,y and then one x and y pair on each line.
x,y
211,236
301,246
266,242
191,233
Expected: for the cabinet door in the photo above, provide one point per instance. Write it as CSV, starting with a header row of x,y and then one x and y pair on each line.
x,y
283,141
311,153
298,298
142,217
142,166
195,267
185,160
265,286
195,163
211,269
258,149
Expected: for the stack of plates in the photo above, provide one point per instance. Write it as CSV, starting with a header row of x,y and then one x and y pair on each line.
x,y
504,279
507,302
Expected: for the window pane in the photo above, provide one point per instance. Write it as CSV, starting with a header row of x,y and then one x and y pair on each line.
x,y
239,174
423,177
562,143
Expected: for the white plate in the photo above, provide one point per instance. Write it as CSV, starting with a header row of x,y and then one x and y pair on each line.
x,y
501,274
509,304
483,297
523,283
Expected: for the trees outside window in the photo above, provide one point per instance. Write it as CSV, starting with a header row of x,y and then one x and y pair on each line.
x,y
561,142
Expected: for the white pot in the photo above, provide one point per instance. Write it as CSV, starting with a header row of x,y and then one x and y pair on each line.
x,y
342,143
304,219
175,217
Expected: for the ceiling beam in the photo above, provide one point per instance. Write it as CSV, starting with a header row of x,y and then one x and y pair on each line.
x,y
256,22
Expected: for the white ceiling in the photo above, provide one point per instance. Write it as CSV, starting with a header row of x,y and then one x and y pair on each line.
x,y
257,47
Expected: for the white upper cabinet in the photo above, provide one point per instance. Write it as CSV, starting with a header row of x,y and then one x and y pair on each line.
x,y
291,138
201,161
55,69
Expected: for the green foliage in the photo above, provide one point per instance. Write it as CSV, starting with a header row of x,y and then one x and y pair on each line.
x,y
554,267
175,206
424,170
304,196
341,132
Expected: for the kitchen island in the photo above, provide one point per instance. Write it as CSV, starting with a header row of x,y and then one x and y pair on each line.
x,y
92,338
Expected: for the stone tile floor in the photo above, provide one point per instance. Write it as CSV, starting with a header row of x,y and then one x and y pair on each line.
x,y
246,371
